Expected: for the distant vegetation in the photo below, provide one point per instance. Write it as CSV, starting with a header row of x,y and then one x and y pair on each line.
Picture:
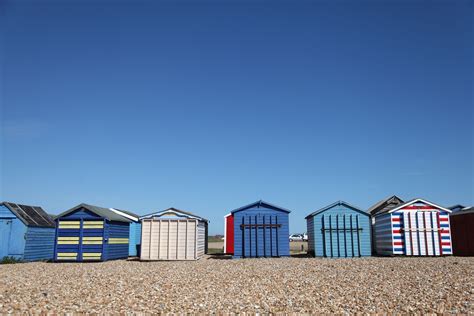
x,y
216,238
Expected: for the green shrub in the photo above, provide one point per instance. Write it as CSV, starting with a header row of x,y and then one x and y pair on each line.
x,y
9,260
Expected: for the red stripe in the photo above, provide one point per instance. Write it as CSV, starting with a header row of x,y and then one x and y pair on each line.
x,y
394,219
439,235
444,219
398,243
396,230
446,243
422,207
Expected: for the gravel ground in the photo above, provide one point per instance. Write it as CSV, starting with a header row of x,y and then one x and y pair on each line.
x,y
442,285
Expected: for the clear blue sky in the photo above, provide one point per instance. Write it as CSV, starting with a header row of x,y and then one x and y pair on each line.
x,y
209,105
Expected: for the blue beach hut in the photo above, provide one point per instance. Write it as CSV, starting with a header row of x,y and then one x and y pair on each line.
x,y
135,231
339,230
26,232
91,233
261,229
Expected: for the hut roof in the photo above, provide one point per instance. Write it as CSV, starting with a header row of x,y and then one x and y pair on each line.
x,y
100,211
30,215
413,202
335,204
260,203
463,210
385,204
175,211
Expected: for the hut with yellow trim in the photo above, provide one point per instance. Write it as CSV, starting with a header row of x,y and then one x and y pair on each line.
x,y
91,233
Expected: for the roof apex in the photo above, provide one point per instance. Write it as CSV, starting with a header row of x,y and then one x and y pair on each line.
x,y
340,202
260,203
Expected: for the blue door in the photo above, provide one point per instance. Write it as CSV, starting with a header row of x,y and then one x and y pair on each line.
x,y
5,230
80,240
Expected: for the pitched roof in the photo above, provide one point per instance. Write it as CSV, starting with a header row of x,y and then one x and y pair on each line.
x,y
131,216
100,211
415,201
457,207
385,205
335,204
463,210
30,215
176,211
259,204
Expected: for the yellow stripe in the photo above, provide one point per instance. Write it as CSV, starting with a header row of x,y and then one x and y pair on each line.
x,y
68,242
70,222
67,258
68,238
70,226
93,226
92,254
94,222
118,240
92,242
67,254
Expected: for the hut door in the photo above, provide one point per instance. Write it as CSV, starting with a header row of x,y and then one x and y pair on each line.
x,y
341,235
5,230
68,237
422,233
79,240
92,240
260,236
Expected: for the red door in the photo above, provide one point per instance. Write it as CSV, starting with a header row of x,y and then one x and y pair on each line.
x,y
229,234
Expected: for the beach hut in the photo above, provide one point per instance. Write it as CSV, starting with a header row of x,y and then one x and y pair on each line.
x,y
414,228
26,232
135,231
259,229
339,230
462,230
173,234
91,233
382,206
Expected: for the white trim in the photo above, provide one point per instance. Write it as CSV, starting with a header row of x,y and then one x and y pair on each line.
x,y
170,210
415,201
133,218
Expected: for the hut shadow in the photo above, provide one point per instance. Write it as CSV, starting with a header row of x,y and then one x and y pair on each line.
x,y
300,255
219,256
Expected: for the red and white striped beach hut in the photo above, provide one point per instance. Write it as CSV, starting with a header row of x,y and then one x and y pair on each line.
x,y
415,228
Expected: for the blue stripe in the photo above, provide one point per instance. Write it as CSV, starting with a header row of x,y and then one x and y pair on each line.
x,y
447,249
396,225
445,237
397,249
444,225
397,237
432,233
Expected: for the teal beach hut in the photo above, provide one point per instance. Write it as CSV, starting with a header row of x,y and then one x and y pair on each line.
x,y
339,230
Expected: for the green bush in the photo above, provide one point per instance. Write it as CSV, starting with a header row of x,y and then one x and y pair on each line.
x,y
9,260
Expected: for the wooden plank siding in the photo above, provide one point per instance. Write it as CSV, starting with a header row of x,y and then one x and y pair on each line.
x,y
340,231
311,235
264,241
172,239
27,243
95,237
